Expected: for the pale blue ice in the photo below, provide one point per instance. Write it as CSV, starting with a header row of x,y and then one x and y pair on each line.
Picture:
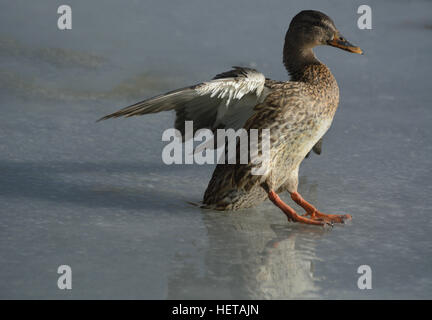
x,y
97,196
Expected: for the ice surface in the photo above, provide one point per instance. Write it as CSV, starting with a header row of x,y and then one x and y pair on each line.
x,y
97,197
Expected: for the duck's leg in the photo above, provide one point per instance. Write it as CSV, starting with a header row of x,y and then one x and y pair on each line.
x,y
314,213
290,212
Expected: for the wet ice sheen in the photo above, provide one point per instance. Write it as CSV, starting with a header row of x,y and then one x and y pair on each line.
x,y
98,197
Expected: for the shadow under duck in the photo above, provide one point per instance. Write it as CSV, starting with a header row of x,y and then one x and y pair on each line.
x,y
297,112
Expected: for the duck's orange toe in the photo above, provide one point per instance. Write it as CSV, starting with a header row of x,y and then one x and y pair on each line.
x,y
334,218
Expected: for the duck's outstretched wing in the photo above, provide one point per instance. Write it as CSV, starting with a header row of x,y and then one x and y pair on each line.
x,y
227,101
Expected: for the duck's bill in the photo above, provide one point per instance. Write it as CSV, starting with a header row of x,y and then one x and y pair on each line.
x,y
342,43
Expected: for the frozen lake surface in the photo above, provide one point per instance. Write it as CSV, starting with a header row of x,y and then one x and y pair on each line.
x,y
97,197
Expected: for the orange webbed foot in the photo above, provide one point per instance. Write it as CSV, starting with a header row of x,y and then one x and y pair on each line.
x,y
315,214
292,216
332,218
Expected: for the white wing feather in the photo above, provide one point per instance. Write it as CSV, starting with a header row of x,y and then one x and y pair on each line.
x,y
235,88
226,101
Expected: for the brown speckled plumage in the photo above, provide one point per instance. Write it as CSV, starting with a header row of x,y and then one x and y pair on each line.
x,y
294,112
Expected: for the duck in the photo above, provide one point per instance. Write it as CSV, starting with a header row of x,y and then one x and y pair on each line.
x,y
297,113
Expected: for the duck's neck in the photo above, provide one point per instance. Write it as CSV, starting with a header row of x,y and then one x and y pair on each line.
x,y
298,61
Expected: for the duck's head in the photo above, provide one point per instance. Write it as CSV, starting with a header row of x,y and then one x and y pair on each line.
x,y
311,28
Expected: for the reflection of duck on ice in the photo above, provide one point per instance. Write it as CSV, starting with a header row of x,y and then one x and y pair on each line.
x,y
249,258
282,271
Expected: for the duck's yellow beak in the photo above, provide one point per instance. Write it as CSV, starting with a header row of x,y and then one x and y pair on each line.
x,y
342,43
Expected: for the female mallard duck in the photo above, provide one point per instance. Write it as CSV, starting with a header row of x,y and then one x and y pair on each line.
x,y
297,112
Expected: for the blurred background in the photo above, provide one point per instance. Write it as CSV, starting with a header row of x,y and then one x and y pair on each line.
x,y
97,196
